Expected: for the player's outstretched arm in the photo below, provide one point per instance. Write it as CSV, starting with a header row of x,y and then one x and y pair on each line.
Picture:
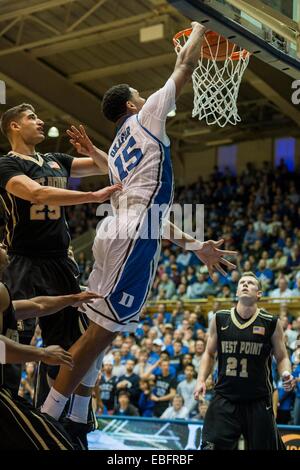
x,y
187,58
47,305
208,252
15,353
282,358
25,188
207,362
97,161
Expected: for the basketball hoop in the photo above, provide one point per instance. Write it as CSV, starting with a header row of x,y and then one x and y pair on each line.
x,y
217,78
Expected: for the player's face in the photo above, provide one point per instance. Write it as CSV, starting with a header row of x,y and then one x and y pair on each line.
x,y
30,128
136,101
248,290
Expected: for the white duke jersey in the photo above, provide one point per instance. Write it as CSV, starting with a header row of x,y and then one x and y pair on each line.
x,y
139,156
125,267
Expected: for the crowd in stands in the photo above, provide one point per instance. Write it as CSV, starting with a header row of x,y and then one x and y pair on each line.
x,y
152,373
257,213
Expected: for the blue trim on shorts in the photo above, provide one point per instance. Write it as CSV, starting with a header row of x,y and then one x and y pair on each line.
x,y
137,273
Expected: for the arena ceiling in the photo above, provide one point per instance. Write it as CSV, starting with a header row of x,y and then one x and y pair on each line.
x,y
61,56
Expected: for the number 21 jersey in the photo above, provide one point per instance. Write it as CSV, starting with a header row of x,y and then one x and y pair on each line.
x,y
244,355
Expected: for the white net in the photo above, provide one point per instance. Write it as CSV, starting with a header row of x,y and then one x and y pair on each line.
x,y
217,82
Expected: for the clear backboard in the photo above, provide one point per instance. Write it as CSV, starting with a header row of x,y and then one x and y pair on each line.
x,y
269,29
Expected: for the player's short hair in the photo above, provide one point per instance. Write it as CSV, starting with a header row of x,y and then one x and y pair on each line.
x,y
13,114
114,102
251,274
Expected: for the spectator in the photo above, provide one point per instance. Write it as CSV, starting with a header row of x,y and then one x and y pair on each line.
x,y
181,293
177,410
142,365
165,389
167,285
282,292
225,292
118,368
107,385
124,407
214,285
157,347
202,409
163,314
264,274
129,382
177,314
183,259
186,388
199,351
176,350
145,404
199,289
194,323
125,352
155,369
234,279
185,360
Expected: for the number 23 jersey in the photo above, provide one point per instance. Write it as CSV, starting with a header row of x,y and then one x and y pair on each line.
x,y
34,229
244,355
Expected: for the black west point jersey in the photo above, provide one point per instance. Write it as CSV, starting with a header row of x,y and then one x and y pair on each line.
x,y
8,328
244,355
34,229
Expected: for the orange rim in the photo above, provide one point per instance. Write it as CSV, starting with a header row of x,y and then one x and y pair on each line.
x,y
210,37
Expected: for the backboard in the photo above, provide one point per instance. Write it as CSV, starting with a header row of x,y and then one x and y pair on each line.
x,y
269,29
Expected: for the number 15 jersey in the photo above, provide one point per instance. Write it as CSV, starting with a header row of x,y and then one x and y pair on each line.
x,y
139,156
244,355
34,229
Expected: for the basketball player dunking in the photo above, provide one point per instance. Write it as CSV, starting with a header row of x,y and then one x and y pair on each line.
x,y
244,339
124,268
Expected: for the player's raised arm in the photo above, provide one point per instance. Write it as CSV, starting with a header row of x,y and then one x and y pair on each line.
x,y
188,57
